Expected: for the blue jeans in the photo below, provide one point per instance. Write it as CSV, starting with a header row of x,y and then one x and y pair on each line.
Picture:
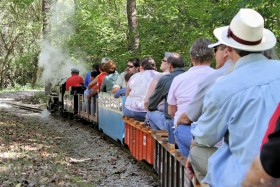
x,y
157,120
171,135
183,138
140,116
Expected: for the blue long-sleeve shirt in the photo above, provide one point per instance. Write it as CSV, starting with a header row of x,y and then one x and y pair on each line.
x,y
238,107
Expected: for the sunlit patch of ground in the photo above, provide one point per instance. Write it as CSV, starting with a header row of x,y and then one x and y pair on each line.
x,y
29,155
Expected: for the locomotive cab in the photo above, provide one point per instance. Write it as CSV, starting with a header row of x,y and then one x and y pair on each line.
x,y
70,101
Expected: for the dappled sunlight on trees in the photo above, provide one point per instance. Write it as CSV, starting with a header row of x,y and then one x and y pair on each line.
x,y
103,28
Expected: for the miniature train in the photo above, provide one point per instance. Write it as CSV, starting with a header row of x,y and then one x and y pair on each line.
x,y
105,112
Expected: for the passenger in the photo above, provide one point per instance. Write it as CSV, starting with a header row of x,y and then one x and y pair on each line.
x,y
164,67
75,79
111,77
132,67
137,88
264,170
238,106
160,119
199,155
89,90
270,54
98,80
122,91
95,69
183,89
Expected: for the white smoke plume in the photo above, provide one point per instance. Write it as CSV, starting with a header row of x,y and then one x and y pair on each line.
x,y
55,61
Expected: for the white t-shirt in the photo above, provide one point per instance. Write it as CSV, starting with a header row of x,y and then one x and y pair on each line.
x,y
139,84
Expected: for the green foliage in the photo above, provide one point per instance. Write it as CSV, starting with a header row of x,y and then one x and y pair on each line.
x,y
20,33
100,29
22,3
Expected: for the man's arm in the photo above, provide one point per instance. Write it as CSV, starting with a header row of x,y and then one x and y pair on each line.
x,y
93,82
115,89
172,110
127,91
157,96
92,93
151,90
212,125
257,176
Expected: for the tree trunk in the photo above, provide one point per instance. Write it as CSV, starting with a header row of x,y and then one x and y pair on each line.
x,y
45,10
133,33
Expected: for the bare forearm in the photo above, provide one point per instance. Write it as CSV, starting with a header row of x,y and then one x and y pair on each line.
x,y
172,110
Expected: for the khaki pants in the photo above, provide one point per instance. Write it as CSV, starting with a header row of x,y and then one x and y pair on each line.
x,y
199,160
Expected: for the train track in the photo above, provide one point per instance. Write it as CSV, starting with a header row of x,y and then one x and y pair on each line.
x,y
24,107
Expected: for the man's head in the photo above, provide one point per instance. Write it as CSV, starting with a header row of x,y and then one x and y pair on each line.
x,y
133,65
221,54
75,71
164,65
200,53
175,61
246,33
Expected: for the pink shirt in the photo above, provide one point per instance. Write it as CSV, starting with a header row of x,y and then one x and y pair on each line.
x,y
139,84
183,88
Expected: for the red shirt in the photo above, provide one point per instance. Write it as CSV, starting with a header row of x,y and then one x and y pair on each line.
x,y
272,124
100,79
74,80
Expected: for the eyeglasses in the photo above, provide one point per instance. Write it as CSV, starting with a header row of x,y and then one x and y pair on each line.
x,y
129,66
215,49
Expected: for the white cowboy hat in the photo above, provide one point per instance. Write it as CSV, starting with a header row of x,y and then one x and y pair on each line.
x,y
246,32
214,44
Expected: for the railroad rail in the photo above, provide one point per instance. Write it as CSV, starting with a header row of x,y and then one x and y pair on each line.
x,y
23,106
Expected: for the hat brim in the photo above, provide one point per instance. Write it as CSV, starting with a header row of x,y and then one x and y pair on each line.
x,y
214,44
268,40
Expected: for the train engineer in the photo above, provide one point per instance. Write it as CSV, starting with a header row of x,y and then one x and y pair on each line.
x,y
75,79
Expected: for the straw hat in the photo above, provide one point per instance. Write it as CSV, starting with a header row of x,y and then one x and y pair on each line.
x,y
246,32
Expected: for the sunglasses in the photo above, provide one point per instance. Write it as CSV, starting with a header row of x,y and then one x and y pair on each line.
x,y
215,50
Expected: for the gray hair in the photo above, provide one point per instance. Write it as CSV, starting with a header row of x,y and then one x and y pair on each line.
x,y
200,51
270,54
105,60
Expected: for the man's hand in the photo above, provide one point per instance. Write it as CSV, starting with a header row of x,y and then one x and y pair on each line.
x,y
189,168
256,176
88,97
184,119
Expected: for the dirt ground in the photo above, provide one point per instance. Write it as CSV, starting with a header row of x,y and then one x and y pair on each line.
x,y
37,149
